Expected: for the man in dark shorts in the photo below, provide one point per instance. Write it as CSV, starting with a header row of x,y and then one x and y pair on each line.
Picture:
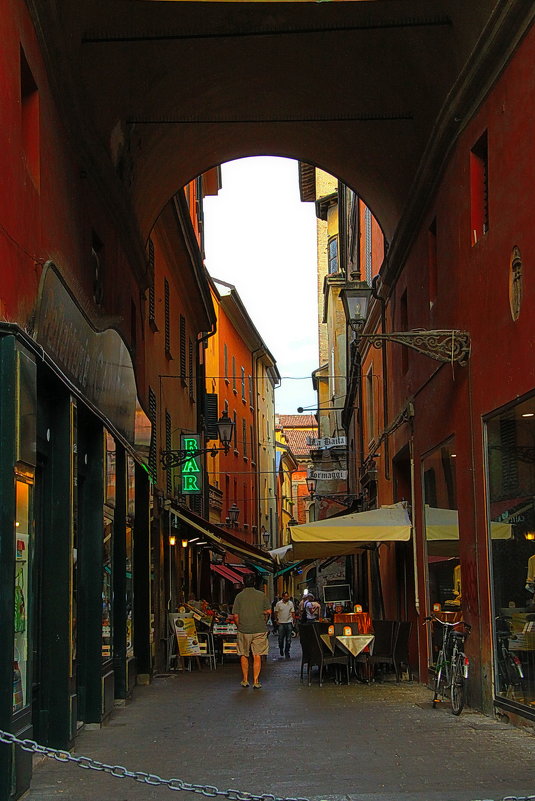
x,y
251,610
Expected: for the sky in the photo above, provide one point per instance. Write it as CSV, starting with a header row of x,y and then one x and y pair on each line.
x,y
260,237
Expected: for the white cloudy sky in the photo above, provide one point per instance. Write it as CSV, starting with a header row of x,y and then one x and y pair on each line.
x,y
261,238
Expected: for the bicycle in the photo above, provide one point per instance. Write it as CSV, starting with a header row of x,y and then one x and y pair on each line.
x,y
452,664
509,666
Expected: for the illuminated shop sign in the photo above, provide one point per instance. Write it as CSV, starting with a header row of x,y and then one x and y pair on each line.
x,y
191,471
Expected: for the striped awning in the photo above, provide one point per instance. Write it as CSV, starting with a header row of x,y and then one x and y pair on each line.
x,y
227,573
246,551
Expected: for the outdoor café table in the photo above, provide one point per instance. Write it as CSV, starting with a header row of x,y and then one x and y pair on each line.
x,y
353,645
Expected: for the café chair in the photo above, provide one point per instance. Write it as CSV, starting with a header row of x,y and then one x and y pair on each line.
x,y
383,647
316,653
401,648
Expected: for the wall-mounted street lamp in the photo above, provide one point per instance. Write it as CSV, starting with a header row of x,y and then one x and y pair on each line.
x,y
184,543
176,458
172,539
233,514
266,536
441,345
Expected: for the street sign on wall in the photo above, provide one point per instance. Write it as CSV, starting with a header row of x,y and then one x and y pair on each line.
x,y
191,474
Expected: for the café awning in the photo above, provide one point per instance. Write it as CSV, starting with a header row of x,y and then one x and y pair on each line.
x,y
227,573
347,534
442,531
443,524
213,534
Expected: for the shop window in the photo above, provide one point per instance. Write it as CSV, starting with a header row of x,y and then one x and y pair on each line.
x,y
107,589
129,586
111,470
23,568
479,190
511,492
442,539
333,255
131,486
30,121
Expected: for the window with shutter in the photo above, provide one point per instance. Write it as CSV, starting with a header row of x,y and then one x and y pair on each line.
x,y
152,302
152,418
168,447
210,415
167,312
183,348
191,377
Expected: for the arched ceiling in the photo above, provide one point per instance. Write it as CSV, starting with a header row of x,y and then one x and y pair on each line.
x,y
363,89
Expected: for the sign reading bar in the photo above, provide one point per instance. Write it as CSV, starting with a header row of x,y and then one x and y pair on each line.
x,y
326,442
329,475
191,472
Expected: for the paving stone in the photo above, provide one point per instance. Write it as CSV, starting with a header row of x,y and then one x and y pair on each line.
x,y
378,742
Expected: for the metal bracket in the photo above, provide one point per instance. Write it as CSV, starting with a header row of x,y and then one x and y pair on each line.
x,y
443,346
169,459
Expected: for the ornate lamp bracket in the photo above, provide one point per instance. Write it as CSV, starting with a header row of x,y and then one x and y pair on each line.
x,y
443,346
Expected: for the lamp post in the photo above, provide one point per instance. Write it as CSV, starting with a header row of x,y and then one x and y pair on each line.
x,y
355,300
266,536
440,344
233,514
176,458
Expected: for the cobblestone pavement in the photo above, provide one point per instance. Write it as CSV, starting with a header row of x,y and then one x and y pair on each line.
x,y
376,742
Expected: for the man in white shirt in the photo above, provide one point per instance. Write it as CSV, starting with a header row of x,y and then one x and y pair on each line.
x,y
284,615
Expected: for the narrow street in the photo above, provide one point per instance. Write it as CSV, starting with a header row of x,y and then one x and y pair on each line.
x,y
381,741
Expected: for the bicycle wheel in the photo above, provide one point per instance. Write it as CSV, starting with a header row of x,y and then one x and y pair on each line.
x,y
458,685
439,669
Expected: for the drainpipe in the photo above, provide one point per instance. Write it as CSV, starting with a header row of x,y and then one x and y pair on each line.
x,y
382,301
414,549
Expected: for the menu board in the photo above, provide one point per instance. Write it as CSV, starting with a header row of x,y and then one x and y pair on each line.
x,y
186,635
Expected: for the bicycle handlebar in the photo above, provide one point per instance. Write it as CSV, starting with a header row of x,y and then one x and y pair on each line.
x,y
435,619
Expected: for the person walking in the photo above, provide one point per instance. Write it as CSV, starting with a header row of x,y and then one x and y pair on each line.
x,y
251,611
284,615
312,609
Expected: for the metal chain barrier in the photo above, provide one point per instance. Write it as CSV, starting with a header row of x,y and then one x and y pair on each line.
x,y
119,772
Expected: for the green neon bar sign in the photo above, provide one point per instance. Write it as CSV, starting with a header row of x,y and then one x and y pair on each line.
x,y
191,470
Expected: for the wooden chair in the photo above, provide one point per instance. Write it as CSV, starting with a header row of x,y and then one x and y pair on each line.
x,y
315,652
